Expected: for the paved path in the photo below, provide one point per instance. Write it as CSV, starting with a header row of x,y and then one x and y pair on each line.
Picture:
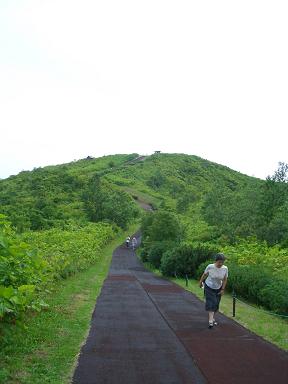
x,y
147,330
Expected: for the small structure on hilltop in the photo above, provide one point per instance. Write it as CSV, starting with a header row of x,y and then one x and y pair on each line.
x,y
156,152
89,158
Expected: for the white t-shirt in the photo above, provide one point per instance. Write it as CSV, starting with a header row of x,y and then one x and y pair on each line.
x,y
216,275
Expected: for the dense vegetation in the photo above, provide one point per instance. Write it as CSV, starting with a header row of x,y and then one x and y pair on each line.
x,y
250,211
30,263
243,217
53,196
257,272
61,218
201,207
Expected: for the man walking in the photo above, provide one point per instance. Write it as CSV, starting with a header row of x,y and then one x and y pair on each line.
x,y
134,243
127,241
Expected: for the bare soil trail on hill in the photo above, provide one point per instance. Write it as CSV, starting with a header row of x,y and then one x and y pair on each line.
x,y
147,330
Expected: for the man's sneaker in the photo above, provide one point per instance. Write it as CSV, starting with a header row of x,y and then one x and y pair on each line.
x,y
215,322
211,324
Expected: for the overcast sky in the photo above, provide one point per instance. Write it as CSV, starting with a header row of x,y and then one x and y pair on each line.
x,y
90,77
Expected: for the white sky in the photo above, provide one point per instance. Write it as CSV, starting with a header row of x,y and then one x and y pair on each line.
x,y
90,77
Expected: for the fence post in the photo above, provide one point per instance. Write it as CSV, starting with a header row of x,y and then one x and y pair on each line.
x,y
234,302
186,278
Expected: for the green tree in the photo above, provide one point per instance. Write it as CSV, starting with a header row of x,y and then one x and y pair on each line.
x,y
104,202
161,226
156,180
273,207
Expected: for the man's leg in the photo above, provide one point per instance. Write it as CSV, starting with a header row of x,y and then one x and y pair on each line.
x,y
211,317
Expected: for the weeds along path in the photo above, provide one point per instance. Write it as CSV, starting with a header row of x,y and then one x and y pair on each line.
x,y
148,330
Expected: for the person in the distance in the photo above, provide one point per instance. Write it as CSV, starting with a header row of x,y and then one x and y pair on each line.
x,y
134,243
128,239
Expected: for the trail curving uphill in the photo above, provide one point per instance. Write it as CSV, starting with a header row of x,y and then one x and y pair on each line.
x,y
148,330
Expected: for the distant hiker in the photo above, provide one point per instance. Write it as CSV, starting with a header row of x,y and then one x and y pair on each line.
x,y
134,243
128,241
215,280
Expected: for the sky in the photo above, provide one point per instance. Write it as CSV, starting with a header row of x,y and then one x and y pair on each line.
x,y
100,77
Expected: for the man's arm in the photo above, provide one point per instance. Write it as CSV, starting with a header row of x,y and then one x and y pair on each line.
x,y
203,277
224,282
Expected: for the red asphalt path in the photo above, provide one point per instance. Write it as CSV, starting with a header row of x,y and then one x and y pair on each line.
x,y
148,330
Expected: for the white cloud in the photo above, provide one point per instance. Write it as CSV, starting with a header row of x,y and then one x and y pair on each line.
x,y
97,77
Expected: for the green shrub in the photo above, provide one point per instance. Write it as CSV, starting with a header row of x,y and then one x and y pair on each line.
x,y
156,251
185,259
156,180
258,285
22,270
104,202
144,254
32,260
247,281
68,251
161,226
274,296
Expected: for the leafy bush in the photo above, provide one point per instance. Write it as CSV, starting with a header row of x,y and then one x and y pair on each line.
x,y
156,251
144,254
185,259
156,180
26,270
161,230
258,285
254,252
187,197
247,281
274,296
68,251
161,226
103,201
22,270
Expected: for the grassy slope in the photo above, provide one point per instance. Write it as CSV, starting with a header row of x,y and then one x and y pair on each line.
x,y
47,351
61,186
182,175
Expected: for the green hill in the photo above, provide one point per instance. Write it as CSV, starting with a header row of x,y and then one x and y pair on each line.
x,y
54,195
211,200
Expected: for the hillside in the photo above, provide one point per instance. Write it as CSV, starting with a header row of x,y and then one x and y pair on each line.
x,y
51,196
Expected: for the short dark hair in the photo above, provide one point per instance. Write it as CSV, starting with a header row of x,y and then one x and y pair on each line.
x,y
220,256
